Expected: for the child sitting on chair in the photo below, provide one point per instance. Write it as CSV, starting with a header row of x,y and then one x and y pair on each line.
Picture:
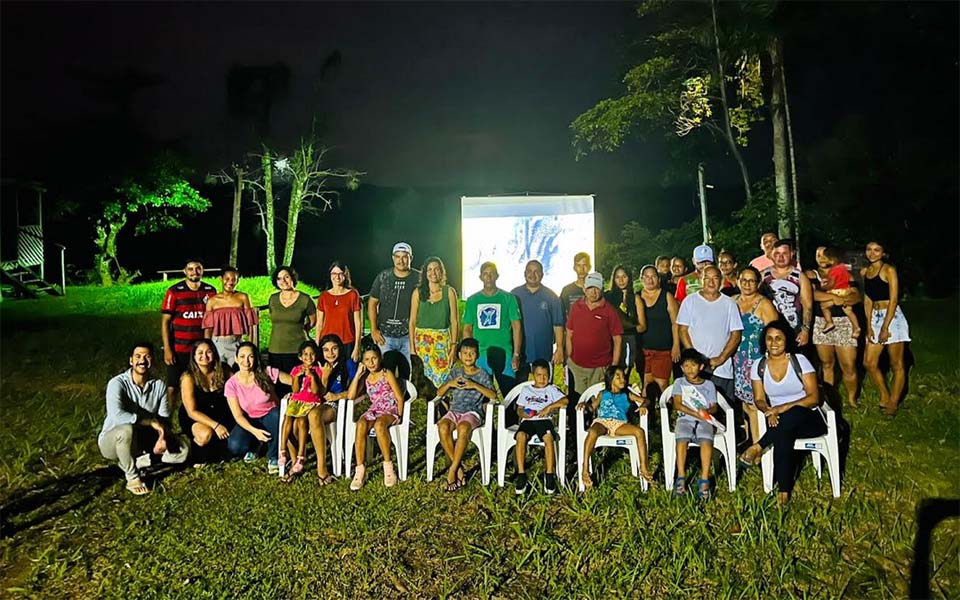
x,y
470,386
386,408
611,407
691,394
534,405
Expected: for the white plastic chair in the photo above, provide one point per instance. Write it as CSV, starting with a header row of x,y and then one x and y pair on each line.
x,y
481,437
826,445
725,443
506,441
399,435
625,442
334,437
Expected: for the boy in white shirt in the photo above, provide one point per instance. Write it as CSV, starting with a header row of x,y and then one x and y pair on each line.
x,y
534,405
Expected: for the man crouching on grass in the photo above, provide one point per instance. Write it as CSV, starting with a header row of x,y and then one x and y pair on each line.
x,y
137,420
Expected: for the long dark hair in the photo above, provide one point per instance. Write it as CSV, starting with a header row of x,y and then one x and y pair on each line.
x,y
259,373
339,372
615,294
218,377
424,284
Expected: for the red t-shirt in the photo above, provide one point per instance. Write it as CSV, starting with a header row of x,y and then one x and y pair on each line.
x,y
840,276
338,314
593,332
187,308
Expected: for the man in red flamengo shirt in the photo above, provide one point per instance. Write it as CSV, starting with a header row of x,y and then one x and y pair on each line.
x,y
182,315
593,335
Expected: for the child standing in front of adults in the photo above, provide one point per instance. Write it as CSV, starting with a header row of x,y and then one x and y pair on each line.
x,y
469,386
610,407
692,393
534,405
386,406
308,389
837,282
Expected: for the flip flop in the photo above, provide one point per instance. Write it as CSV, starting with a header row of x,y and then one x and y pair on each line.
x,y
680,486
137,487
326,480
704,494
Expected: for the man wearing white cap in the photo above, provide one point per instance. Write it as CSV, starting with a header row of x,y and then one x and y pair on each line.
x,y
692,283
389,305
594,333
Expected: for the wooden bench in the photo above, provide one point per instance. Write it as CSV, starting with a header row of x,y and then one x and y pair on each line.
x,y
166,274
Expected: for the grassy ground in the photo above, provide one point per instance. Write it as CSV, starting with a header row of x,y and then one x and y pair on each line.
x,y
224,531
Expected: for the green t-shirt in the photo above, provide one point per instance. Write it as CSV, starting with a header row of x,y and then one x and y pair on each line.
x,y
491,317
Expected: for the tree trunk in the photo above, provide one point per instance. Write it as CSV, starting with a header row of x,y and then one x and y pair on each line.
x,y
793,158
731,141
267,163
781,166
235,221
302,162
100,259
105,257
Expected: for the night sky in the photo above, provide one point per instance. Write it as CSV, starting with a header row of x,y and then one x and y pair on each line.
x,y
435,101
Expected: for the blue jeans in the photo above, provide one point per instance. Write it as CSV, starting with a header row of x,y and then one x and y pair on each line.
x,y
242,441
401,344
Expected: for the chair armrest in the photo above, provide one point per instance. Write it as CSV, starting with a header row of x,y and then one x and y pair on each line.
x,y
431,411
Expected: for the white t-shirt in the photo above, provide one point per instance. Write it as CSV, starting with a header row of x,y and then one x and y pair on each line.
x,y
790,389
710,325
538,399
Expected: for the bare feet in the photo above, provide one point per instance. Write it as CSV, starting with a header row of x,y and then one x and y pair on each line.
x,y
646,474
783,498
587,482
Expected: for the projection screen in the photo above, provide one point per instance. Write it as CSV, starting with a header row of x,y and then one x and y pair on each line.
x,y
512,230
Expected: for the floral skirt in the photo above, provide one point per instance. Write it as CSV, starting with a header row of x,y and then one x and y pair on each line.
x,y
433,346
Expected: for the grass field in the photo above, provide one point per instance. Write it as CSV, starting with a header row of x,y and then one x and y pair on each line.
x,y
69,530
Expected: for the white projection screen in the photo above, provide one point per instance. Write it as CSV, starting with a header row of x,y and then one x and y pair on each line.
x,y
512,230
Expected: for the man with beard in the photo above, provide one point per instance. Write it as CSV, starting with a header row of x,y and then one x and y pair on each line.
x,y
138,420
181,322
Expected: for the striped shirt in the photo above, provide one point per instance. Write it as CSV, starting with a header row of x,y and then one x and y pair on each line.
x,y
187,308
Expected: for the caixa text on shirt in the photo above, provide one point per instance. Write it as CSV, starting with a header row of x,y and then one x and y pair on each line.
x,y
192,314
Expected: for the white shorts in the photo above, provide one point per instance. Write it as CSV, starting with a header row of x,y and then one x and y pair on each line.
x,y
899,328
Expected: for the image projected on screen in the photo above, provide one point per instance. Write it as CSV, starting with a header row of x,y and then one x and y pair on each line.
x,y
512,230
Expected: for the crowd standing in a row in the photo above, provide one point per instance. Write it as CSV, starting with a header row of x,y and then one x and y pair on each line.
x,y
720,328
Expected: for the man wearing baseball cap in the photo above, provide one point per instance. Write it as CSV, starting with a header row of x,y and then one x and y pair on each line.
x,y
692,283
389,305
594,333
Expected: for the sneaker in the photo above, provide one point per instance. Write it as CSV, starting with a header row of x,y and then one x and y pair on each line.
x,y
272,467
358,478
521,483
250,457
389,474
550,484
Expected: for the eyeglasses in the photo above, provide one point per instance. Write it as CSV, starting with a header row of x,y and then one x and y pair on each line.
x,y
748,280
336,273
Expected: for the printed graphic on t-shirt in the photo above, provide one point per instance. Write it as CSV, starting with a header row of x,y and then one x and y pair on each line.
x,y
488,316
785,294
692,398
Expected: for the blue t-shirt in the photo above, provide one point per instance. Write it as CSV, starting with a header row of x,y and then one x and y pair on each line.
x,y
540,312
342,384
613,406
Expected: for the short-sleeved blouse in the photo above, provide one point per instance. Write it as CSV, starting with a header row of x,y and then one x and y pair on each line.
x,y
253,401
338,314
287,322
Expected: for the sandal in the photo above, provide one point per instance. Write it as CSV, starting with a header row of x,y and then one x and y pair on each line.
x,y
297,467
746,462
452,487
359,477
704,489
137,487
389,474
326,480
680,486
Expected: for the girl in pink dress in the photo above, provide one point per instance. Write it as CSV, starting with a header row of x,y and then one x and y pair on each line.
x,y
386,406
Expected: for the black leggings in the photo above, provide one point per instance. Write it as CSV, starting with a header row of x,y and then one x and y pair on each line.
x,y
797,422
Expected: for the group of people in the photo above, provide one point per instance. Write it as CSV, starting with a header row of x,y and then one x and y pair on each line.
x,y
718,329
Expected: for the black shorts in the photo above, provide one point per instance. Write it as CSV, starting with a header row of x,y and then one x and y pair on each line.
x,y
174,371
537,427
